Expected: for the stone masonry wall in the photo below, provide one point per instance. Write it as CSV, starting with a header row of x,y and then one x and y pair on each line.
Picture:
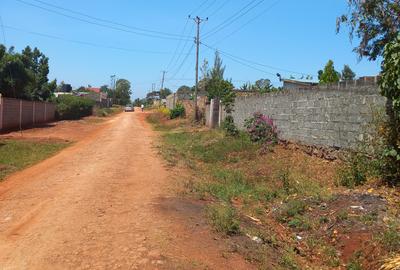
x,y
326,117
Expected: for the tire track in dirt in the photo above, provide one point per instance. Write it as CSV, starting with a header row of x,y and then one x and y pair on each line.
x,y
104,203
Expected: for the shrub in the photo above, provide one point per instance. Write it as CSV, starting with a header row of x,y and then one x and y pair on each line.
x,y
178,111
261,128
229,126
164,111
73,107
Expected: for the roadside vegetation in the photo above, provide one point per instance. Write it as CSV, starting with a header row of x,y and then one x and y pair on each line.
x,y
69,107
280,207
16,155
106,112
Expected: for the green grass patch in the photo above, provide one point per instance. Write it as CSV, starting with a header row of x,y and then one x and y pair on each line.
x,y
16,155
229,184
208,146
291,209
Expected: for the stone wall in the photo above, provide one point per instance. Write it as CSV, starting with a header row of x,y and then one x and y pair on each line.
x,y
321,116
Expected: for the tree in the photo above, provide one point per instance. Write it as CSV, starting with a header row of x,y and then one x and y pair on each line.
x,y
347,73
219,88
137,102
123,92
218,70
80,89
262,86
390,88
184,92
329,74
104,88
37,65
64,87
205,70
165,92
246,87
14,77
374,22
24,75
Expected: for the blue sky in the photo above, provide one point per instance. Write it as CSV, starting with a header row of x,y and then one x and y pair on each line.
x,y
286,36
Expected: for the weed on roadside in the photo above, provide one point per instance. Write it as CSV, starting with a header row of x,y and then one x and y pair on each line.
x,y
223,218
291,209
288,262
390,238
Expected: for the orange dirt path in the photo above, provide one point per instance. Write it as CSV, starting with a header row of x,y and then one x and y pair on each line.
x,y
105,203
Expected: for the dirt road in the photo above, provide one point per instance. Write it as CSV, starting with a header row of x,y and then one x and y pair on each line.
x,y
104,203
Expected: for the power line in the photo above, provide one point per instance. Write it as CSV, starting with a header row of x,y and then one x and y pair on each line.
x,y
99,24
198,7
182,63
181,53
233,18
253,62
170,66
175,58
248,22
2,28
83,42
107,21
219,8
206,8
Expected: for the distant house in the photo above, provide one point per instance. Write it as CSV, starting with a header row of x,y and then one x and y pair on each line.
x,y
362,81
57,94
295,85
99,97
94,89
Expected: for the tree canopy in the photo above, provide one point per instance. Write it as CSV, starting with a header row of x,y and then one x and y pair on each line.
x,y
329,74
347,73
123,92
24,75
390,88
165,92
184,92
374,22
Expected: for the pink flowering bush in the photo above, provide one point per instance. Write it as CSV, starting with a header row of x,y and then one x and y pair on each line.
x,y
261,128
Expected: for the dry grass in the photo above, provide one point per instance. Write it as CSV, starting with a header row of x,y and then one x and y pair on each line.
x,y
287,191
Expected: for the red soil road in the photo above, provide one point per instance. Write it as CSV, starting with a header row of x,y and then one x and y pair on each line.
x,y
104,203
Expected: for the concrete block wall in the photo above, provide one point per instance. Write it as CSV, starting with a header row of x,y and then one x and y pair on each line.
x,y
15,113
326,117
170,101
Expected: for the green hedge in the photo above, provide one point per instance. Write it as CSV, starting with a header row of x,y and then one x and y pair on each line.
x,y
72,107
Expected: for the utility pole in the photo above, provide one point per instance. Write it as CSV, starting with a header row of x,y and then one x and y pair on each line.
x,y
198,21
113,87
162,80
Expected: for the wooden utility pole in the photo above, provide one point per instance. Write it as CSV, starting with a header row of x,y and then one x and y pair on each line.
x,y
162,80
198,21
